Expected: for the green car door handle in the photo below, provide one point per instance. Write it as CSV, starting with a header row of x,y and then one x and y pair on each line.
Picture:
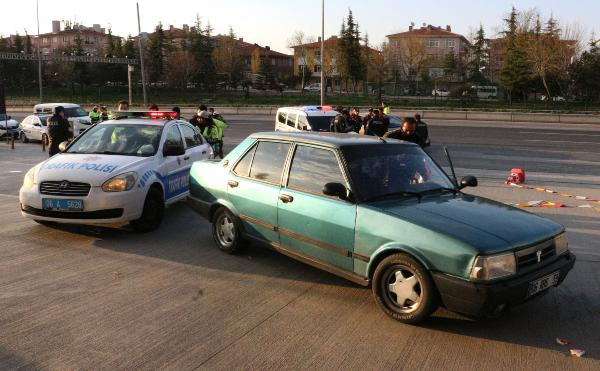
x,y
286,198
233,183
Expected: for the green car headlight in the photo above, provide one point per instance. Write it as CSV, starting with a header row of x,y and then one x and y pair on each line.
x,y
493,266
561,244
120,183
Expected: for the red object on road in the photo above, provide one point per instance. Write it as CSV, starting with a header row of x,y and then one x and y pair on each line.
x,y
518,175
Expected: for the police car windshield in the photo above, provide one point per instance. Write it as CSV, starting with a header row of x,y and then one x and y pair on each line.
x,y
319,123
122,139
392,169
75,112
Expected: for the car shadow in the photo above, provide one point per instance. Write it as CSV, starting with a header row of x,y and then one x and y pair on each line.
x,y
186,238
571,311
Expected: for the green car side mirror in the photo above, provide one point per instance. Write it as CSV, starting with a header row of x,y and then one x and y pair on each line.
x,y
468,181
335,190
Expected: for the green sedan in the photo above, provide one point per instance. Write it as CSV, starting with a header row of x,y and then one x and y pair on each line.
x,y
380,213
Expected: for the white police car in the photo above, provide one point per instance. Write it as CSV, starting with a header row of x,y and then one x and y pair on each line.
x,y
123,170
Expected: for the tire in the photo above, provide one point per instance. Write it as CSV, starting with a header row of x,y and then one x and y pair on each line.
x,y
24,138
227,231
153,212
415,299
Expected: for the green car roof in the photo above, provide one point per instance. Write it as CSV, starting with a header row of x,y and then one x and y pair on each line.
x,y
329,139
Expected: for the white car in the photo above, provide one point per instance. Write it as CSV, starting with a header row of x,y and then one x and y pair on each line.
x,y
78,118
33,127
304,118
8,126
440,93
124,170
313,87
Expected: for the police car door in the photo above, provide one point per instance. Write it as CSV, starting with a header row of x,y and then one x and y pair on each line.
x,y
173,170
195,147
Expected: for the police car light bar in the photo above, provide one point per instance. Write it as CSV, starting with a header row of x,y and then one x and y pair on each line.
x,y
145,114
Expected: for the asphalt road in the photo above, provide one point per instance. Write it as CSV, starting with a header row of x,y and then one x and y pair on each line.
x,y
105,297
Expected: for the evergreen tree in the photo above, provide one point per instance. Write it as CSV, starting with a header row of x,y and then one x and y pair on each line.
x,y
266,69
480,59
200,45
156,48
352,62
515,73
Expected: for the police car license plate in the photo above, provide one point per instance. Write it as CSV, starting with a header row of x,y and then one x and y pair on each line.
x,y
543,283
59,204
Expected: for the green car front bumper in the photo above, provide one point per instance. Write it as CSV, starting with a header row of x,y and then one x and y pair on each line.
x,y
484,299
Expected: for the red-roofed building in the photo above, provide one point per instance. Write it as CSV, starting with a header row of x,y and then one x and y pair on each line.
x,y
281,64
428,47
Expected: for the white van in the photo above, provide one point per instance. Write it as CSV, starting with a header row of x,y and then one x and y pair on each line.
x,y
306,118
77,116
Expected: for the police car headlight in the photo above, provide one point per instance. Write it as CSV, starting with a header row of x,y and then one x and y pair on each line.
x,y
494,266
561,244
120,183
29,181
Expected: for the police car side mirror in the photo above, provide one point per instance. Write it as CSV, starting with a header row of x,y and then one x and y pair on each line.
x,y
171,149
62,146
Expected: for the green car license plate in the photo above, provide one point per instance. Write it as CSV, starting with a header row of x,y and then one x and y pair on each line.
x,y
60,204
543,283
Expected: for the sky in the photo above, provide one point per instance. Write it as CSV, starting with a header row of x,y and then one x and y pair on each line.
x,y
272,22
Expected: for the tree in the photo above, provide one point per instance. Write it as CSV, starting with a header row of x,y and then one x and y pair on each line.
x,y
410,58
585,73
228,59
266,68
200,44
156,49
480,58
516,71
351,64
181,68
255,61
542,51
298,43
377,65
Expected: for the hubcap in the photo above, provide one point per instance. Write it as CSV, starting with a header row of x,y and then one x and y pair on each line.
x,y
404,289
225,231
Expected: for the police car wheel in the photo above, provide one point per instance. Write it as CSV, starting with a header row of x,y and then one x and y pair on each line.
x,y
152,214
24,138
227,231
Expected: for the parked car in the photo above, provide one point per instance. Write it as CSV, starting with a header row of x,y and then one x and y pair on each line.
x,y
380,213
33,127
77,116
124,170
440,93
8,126
553,99
313,87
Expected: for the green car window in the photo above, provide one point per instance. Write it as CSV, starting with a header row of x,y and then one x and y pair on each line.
x,y
268,161
383,170
312,168
243,166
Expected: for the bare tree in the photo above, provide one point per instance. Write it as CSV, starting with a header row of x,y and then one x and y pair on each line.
x,y
410,57
182,67
378,65
298,42
228,59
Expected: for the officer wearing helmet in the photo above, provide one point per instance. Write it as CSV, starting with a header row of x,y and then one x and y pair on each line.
x,y
59,130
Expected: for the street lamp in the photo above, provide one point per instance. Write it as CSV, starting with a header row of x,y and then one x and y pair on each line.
x,y
38,50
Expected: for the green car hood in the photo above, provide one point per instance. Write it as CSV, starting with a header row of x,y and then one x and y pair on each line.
x,y
484,224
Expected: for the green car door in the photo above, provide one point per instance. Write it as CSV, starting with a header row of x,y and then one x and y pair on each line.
x,y
253,187
310,223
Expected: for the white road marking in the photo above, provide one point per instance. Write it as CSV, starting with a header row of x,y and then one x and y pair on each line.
x,y
559,141
15,171
561,134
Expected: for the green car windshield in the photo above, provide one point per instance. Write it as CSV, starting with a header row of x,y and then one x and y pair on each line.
x,y
378,171
119,139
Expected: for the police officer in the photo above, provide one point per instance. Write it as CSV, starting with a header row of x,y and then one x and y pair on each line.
x,y
177,111
340,123
422,129
59,130
95,116
103,113
377,125
408,132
